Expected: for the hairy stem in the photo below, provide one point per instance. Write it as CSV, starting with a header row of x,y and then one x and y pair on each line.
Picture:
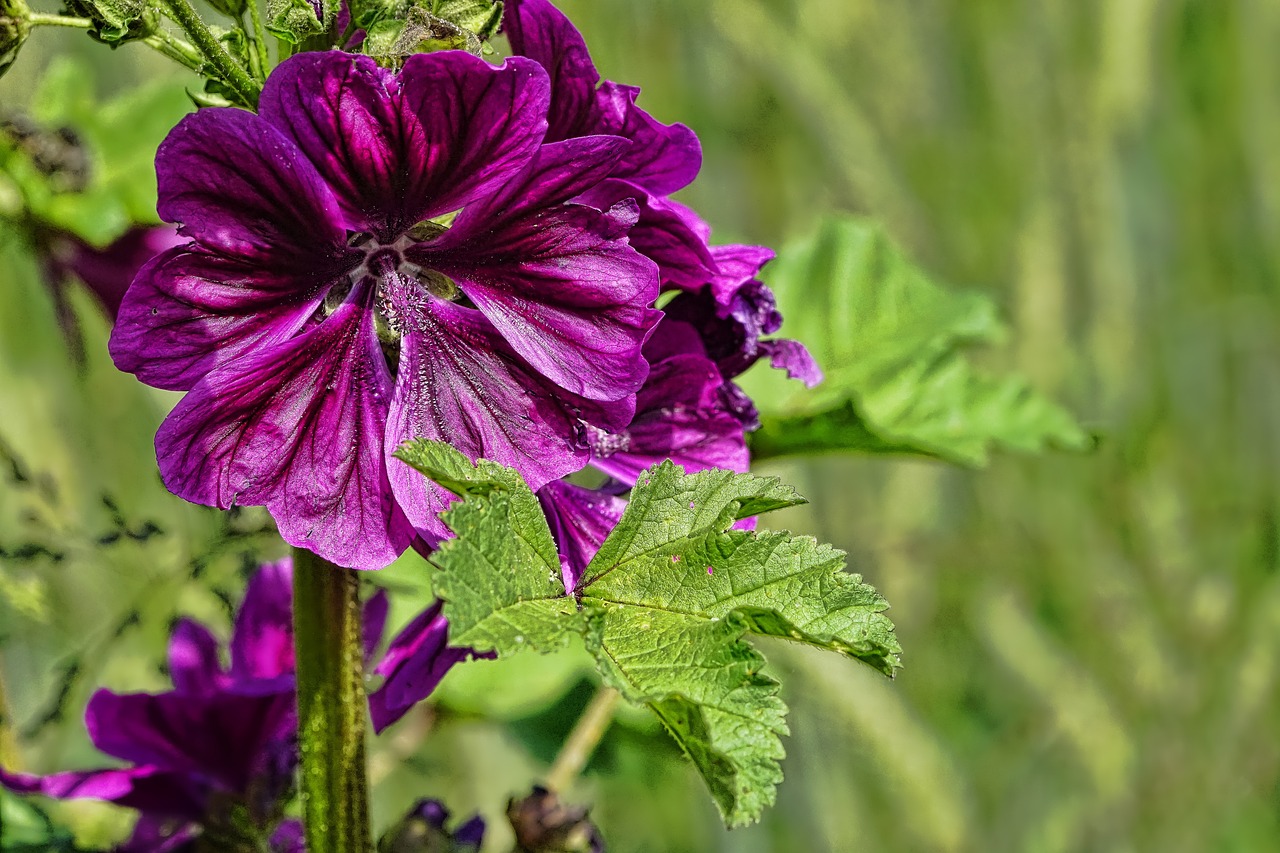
x,y
231,71
258,37
9,758
584,738
332,706
180,51
40,19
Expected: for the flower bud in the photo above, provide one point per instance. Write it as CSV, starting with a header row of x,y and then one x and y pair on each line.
x,y
543,824
14,30
116,21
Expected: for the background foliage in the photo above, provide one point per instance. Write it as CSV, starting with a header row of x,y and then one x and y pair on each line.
x,y
1091,639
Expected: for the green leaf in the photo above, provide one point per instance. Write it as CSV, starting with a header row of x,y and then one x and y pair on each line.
x,y
673,591
669,510
664,605
892,344
500,577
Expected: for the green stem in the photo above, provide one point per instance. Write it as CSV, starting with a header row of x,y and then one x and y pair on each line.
x,y
332,705
179,50
9,758
258,35
584,738
231,71
39,19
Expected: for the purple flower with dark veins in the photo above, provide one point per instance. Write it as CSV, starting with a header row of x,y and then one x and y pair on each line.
x,y
217,753
376,257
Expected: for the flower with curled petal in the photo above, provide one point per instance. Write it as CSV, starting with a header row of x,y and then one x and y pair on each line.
x,y
376,257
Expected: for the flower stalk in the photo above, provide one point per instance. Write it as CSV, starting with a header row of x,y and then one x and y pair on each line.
x,y
331,705
583,740
185,16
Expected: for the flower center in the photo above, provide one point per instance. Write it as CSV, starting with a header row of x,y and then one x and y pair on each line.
x,y
401,284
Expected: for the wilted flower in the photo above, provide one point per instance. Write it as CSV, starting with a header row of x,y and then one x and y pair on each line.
x,y
331,305
425,830
414,663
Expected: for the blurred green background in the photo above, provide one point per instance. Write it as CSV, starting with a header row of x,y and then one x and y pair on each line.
x,y
1091,640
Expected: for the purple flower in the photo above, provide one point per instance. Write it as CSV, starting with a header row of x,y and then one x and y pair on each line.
x,y
379,257
221,746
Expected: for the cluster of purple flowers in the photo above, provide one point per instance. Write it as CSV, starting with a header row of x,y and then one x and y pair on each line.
x,y
216,755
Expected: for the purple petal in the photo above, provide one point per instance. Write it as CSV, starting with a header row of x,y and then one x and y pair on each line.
x,y
730,334
298,428
666,233
289,838
680,415
159,835
792,357
538,30
262,641
414,664
374,622
148,789
193,658
580,520
559,283
399,149
557,173
108,272
662,159
460,381
737,265
218,737
190,312
240,188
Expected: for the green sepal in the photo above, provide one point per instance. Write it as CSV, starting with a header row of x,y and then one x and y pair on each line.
x,y
116,21
295,20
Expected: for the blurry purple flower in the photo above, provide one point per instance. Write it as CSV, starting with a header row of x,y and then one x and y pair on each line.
x,y
106,272
331,306
222,740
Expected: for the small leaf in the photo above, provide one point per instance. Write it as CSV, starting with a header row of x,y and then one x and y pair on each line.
x,y
892,344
